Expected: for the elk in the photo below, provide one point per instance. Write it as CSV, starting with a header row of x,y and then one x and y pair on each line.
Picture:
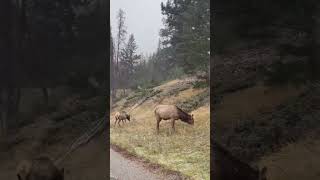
x,y
167,112
121,116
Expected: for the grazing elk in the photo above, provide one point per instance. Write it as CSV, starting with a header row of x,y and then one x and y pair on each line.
x,y
121,116
228,167
41,168
167,112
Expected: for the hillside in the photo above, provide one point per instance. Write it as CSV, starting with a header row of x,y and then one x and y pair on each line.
x,y
269,124
188,149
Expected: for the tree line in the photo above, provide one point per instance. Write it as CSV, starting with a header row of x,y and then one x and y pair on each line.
x,y
183,47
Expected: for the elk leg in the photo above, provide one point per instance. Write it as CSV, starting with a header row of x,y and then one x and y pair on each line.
x,y
115,122
158,123
173,121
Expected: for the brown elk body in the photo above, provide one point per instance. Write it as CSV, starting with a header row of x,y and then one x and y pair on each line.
x,y
227,167
121,116
41,168
171,112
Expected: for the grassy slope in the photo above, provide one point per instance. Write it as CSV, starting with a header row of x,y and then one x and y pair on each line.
x,y
186,151
296,159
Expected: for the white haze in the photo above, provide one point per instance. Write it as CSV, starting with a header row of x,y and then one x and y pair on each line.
x,y
143,19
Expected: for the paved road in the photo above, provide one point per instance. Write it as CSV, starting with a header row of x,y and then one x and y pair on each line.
x,y
122,168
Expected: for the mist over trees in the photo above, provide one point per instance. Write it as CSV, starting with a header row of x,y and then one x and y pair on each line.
x,y
183,47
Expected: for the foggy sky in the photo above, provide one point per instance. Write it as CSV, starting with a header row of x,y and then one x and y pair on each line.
x,y
143,19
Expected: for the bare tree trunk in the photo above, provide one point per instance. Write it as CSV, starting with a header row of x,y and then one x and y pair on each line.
x,y
120,36
117,72
112,93
117,60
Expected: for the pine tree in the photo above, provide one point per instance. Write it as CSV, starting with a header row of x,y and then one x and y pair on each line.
x,y
129,59
187,33
128,55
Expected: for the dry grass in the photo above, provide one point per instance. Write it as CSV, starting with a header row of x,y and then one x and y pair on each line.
x,y
187,150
